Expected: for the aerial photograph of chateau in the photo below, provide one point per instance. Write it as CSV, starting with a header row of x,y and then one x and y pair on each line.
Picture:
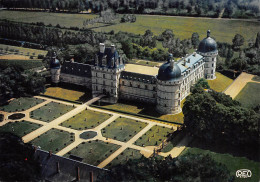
x,y
130,90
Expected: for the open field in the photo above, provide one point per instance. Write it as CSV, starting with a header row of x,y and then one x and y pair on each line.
x,y
220,83
13,56
223,30
123,129
154,136
20,128
232,163
21,50
125,156
53,140
249,95
85,120
93,152
50,111
21,104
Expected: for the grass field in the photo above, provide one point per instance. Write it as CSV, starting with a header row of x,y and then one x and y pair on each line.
x,y
93,152
220,83
20,129
256,78
145,62
63,19
223,30
154,136
123,129
232,163
125,156
144,109
21,104
64,93
85,120
53,140
50,111
249,95
21,50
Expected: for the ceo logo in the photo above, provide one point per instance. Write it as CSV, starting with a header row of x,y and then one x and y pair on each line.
x,y
243,173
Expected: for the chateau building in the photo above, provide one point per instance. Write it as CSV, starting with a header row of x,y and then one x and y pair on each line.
x,y
164,87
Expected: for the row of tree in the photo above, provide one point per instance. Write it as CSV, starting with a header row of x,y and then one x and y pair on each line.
x,y
188,168
211,8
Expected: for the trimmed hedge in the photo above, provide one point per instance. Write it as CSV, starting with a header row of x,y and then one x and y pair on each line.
x,y
57,98
22,64
138,115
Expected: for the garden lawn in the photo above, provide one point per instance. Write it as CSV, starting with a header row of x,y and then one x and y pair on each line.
x,y
54,140
85,120
93,152
50,111
154,136
20,128
21,104
249,95
123,129
125,156
232,163
63,93
220,83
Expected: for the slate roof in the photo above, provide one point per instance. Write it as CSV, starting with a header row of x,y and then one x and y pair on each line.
x,y
77,69
68,168
138,77
190,61
109,56
166,73
208,45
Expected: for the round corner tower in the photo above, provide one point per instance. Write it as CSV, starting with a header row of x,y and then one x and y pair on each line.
x,y
169,80
209,50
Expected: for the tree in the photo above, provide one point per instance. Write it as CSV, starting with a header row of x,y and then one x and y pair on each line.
x,y
17,162
238,41
257,41
195,40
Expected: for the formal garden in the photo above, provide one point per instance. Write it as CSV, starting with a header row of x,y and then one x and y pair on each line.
x,y
21,104
155,136
50,111
93,152
19,128
53,140
123,129
86,119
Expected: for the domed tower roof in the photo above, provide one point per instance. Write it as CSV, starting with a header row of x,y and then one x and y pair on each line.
x,y
169,71
55,63
208,45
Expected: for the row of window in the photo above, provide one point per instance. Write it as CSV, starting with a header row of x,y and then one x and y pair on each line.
x,y
138,86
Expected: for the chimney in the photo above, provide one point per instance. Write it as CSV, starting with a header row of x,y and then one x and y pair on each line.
x,y
194,54
91,176
58,167
208,33
172,64
50,153
184,62
189,60
102,48
113,48
78,176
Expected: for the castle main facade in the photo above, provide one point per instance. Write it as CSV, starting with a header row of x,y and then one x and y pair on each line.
x,y
165,87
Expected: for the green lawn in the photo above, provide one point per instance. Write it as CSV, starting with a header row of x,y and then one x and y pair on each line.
x,y
123,129
249,95
220,83
256,78
143,109
21,104
22,50
223,30
20,129
93,152
125,156
232,163
50,111
63,19
54,140
154,136
85,120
